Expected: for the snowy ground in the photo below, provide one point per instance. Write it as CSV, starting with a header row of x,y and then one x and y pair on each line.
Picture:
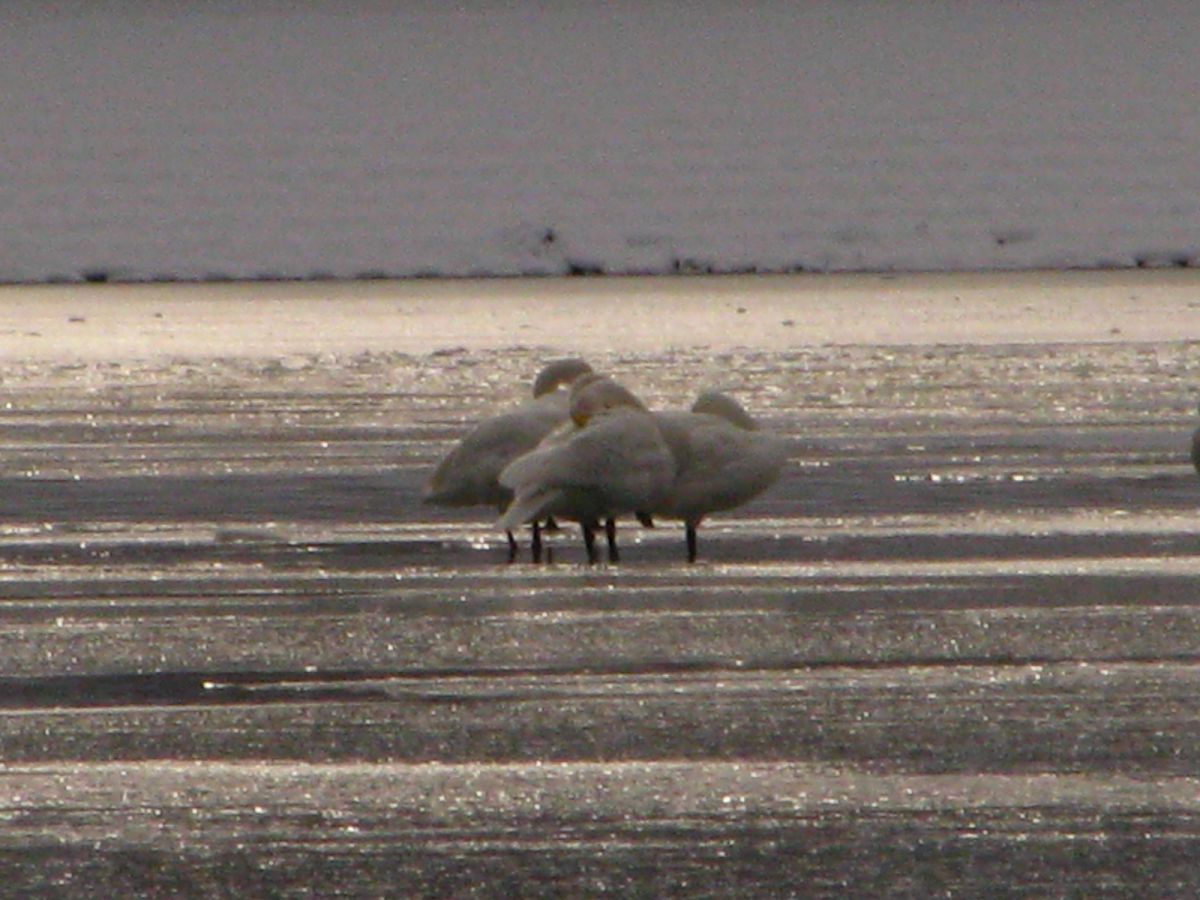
x,y
294,324
151,140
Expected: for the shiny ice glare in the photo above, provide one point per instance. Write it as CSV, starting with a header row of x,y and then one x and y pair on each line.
x,y
967,477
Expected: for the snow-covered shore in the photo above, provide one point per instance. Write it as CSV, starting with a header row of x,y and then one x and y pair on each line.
x,y
160,322
148,140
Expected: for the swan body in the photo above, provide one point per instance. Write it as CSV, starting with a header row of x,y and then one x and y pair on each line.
x,y
613,462
721,461
469,474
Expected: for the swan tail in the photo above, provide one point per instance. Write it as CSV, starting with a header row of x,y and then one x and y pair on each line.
x,y
526,508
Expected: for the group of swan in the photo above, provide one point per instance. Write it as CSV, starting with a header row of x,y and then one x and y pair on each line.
x,y
586,449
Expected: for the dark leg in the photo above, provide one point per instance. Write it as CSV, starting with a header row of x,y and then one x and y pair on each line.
x,y
610,532
691,542
645,518
512,546
551,525
589,540
535,546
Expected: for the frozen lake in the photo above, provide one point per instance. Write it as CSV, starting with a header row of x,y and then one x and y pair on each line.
x,y
953,650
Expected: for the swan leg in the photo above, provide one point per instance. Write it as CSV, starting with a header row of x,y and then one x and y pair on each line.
x,y
535,544
512,546
589,540
610,533
690,531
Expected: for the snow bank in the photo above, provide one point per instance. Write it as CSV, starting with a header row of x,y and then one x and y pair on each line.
x,y
148,140
114,325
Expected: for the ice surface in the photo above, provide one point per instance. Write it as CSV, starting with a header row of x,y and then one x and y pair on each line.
x,y
954,647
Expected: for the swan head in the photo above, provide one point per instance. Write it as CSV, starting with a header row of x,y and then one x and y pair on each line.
x,y
557,373
599,395
714,403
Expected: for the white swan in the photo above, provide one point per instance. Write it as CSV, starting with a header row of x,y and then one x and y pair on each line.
x,y
467,475
721,461
614,462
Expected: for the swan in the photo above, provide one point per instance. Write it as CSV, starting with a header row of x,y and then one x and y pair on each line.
x,y
721,461
614,461
467,475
